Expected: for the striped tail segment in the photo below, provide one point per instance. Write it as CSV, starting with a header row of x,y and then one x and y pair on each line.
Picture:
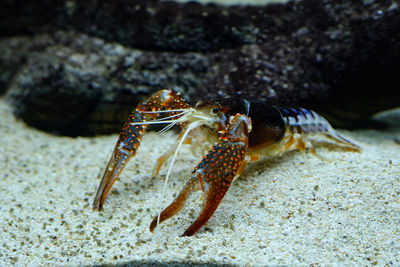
x,y
304,121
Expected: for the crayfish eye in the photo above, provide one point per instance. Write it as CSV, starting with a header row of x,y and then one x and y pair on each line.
x,y
215,111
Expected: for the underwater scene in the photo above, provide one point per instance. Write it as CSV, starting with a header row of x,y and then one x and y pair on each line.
x,y
131,131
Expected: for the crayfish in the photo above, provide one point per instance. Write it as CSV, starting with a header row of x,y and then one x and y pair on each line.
x,y
236,131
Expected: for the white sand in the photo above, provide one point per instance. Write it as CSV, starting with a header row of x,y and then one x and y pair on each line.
x,y
345,212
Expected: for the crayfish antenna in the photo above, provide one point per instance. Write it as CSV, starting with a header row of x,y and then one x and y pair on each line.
x,y
190,127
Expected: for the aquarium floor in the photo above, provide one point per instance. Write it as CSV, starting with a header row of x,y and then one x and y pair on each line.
x,y
293,210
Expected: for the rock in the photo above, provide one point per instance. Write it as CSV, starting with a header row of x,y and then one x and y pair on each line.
x,y
73,84
148,25
341,61
337,57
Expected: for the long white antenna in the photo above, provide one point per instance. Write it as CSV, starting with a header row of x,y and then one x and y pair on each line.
x,y
162,120
189,128
166,128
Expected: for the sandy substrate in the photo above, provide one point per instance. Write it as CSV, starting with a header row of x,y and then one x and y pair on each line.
x,y
346,211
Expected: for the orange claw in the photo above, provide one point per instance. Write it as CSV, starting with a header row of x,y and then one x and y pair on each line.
x,y
127,144
131,135
214,174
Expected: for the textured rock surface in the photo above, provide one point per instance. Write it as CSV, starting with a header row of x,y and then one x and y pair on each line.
x,y
338,57
73,84
150,25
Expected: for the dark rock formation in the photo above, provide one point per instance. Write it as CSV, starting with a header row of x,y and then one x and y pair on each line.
x,y
341,60
148,25
338,57
77,85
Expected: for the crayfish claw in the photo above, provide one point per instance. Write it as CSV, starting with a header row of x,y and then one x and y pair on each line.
x,y
148,111
191,186
214,174
127,144
110,175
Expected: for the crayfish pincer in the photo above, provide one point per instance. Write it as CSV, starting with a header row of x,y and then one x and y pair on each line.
x,y
236,131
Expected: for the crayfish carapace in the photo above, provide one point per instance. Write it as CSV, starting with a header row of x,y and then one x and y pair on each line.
x,y
237,130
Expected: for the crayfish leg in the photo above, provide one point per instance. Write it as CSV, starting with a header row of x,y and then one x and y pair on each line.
x,y
164,157
199,139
